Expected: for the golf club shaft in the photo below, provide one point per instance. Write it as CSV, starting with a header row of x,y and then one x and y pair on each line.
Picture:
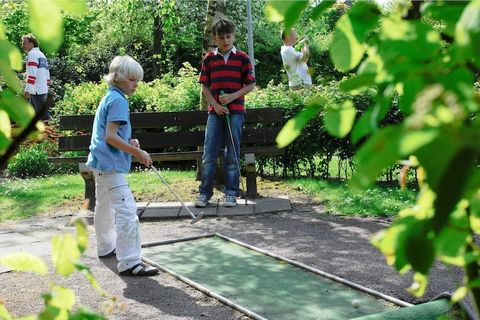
x,y
237,159
176,195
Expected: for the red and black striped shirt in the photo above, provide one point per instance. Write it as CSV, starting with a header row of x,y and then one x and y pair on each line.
x,y
227,77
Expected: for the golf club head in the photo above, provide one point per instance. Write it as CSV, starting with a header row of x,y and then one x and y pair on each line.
x,y
199,216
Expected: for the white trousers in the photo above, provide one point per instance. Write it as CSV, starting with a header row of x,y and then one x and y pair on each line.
x,y
116,222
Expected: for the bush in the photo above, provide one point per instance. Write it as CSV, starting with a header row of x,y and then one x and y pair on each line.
x,y
30,162
167,94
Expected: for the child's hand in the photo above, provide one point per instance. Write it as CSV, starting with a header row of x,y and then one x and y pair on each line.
x,y
135,143
226,98
220,110
144,158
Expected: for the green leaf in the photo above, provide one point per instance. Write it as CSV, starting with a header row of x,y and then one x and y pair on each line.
x,y
4,314
362,127
25,262
411,87
451,241
2,31
391,242
62,298
90,277
11,54
419,249
357,83
459,294
17,108
380,151
436,155
338,120
48,31
320,8
5,129
347,47
10,77
452,184
65,254
288,11
448,12
467,30
77,8
419,285
85,314
292,129
82,235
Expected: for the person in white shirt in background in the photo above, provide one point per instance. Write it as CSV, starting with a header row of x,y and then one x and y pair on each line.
x,y
38,75
295,62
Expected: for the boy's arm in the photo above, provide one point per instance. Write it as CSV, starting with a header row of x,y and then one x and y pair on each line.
x,y
114,140
305,53
219,109
229,97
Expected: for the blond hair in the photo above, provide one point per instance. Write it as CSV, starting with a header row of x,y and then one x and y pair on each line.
x,y
123,67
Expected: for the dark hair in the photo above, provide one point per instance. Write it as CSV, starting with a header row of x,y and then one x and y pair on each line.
x,y
286,33
223,26
31,38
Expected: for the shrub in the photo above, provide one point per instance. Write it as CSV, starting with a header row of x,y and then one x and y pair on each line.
x,y
30,162
167,94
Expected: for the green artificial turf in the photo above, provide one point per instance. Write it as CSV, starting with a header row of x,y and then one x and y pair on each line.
x,y
272,288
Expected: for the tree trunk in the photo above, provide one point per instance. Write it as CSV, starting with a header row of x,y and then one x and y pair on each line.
x,y
216,9
157,46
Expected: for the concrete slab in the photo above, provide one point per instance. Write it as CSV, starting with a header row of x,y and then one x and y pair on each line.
x,y
176,210
40,249
279,203
14,238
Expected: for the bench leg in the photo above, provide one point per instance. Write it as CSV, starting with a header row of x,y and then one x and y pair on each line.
x,y
87,175
251,175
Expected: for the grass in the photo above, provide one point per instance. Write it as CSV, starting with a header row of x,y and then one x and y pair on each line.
x,y
22,198
383,201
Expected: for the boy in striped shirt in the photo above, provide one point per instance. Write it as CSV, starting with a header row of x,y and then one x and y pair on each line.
x,y
226,77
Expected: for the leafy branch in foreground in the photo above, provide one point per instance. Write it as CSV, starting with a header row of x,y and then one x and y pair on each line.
x,y
59,301
426,55
13,108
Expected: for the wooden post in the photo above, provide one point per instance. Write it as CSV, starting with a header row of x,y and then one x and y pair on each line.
x,y
251,175
87,175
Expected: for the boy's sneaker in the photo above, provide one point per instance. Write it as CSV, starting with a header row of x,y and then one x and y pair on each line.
x,y
140,270
202,201
230,201
109,255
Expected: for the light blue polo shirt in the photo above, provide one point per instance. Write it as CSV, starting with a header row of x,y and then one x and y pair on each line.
x,y
104,157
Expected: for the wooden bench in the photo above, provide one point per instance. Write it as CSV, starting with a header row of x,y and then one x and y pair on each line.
x,y
175,136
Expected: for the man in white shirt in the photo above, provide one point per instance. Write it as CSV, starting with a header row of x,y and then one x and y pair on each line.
x,y
295,62
37,75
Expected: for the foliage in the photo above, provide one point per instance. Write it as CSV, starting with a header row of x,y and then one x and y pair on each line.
x,y
423,58
315,142
167,94
30,162
66,253
338,198
50,33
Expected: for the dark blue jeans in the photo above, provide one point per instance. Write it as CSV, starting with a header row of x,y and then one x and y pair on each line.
x,y
217,136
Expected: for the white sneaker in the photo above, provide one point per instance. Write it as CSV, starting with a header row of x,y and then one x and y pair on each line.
x,y
201,201
230,201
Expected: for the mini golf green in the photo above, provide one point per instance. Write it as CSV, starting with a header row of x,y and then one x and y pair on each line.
x,y
267,287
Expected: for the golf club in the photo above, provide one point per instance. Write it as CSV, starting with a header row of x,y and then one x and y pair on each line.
x,y
237,160
194,217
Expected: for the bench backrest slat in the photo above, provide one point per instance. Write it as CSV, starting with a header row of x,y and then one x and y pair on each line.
x,y
146,120
181,139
